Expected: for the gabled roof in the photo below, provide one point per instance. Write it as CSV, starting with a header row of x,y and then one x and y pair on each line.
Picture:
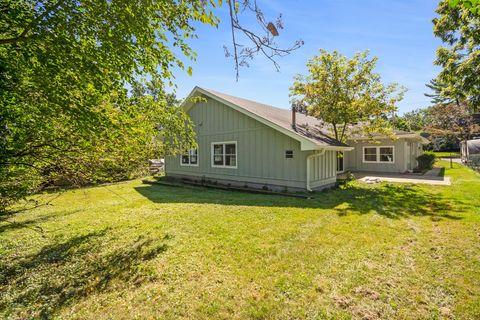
x,y
397,133
309,130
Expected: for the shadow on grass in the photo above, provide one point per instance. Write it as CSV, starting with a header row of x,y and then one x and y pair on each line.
x,y
442,172
6,224
389,200
39,285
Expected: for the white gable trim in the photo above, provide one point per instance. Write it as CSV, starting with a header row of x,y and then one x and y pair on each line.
x,y
305,143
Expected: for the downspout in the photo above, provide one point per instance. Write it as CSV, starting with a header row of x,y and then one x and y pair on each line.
x,y
322,152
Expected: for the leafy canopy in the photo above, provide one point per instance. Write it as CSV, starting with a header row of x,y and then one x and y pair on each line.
x,y
65,114
458,26
345,92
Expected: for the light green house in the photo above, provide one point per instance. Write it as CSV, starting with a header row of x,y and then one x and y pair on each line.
x,y
242,142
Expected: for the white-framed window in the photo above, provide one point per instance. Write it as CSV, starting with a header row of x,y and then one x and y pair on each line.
x,y
224,154
190,158
288,154
369,154
380,154
386,154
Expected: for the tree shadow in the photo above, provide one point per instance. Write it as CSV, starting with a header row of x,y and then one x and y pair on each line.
x,y
6,223
399,201
442,172
39,285
389,200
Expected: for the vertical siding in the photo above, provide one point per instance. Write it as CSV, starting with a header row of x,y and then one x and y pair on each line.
x,y
323,169
261,149
355,157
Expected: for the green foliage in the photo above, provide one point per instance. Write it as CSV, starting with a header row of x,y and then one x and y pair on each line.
x,y
65,114
458,26
344,92
472,5
415,120
426,161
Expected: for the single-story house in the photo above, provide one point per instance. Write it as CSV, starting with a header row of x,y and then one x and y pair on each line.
x,y
242,142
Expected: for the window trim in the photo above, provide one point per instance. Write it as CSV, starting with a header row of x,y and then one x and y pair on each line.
x,y
377,155
189,164
212,153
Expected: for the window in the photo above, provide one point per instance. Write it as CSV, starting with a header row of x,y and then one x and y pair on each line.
x,y
386,154
190,158
289,154
370,154
340,159
378,154
224,154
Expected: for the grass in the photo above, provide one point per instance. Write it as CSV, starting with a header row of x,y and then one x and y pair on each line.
x,y
447,154
129,251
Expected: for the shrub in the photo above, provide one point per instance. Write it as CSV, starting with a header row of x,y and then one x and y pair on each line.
x,y
426,161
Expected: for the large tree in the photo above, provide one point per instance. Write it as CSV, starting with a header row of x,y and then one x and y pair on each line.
x,y
458,26
65,113
414,120
450,121
346,93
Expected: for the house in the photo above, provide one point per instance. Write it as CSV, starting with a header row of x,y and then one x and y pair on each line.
x,y
242,142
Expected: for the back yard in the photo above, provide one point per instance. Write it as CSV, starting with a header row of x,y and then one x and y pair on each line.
x,y
136,251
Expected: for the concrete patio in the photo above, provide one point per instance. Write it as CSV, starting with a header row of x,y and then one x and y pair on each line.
x,y
432,177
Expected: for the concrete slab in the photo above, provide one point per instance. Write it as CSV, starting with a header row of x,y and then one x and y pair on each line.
x,y
431,177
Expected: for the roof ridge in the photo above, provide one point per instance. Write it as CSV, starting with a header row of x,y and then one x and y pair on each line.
x,y
249,100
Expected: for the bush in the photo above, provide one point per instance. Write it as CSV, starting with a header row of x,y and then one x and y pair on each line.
x,y
426,161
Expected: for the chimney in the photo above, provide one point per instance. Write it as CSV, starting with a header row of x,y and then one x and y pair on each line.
x,y
294,121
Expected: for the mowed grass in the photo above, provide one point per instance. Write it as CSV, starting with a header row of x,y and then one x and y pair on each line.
x,y
447,154
133,251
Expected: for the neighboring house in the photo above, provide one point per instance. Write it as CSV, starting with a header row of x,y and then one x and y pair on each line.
x,y
242,142
470,150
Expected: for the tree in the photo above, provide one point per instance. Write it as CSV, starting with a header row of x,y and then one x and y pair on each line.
x,y
65,113
259,43
414,120
458,26
346,93
442,93
472,5
450,121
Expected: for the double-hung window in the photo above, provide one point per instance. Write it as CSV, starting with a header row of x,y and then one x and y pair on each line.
x,y
386,154
370,154
378,154
190,158
224,154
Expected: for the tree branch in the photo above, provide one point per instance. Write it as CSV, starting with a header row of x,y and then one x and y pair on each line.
x,y
233,39
23,35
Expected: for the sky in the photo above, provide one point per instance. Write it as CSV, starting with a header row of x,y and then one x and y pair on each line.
x,y
398,32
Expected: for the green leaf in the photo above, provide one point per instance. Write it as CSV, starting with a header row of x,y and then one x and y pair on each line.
x,y
453,3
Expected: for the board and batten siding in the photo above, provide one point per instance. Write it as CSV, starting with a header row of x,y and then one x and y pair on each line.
x,y
323,169
260,150
354,159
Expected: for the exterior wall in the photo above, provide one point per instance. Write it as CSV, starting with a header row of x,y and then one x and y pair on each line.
x,y
323,169
260,151
414,149
354,159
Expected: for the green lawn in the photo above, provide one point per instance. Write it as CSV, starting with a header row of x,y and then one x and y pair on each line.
x,y
446,154
130,251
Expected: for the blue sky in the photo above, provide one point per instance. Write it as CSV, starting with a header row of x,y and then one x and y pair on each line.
x,y
398,32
